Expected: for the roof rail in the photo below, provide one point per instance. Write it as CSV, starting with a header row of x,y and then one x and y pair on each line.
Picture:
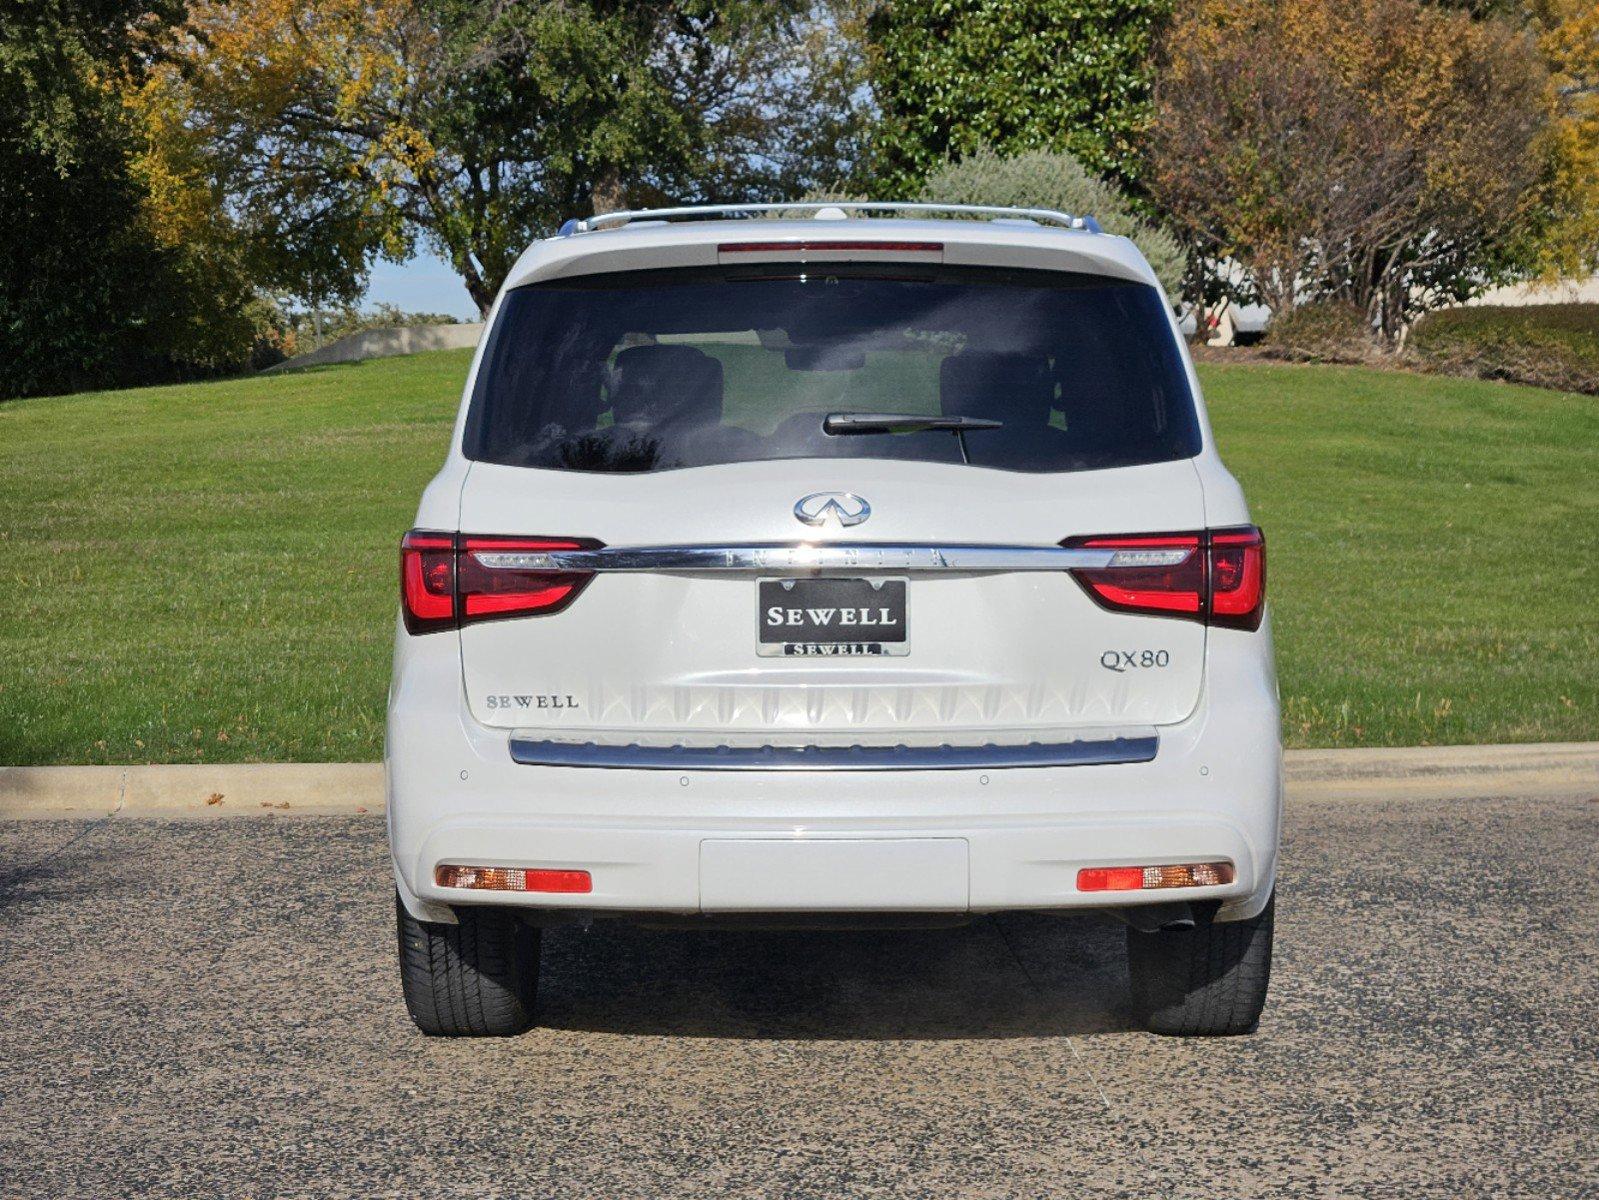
x,y
825,210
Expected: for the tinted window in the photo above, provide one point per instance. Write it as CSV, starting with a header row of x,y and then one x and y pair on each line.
x,y
651,371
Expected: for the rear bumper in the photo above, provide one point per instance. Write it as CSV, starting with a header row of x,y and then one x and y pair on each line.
x,y
953,840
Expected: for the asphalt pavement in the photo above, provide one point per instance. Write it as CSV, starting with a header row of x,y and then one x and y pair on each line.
x,y
194,1008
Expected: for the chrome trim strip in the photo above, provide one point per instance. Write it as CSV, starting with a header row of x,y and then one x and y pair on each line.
x,y
777,557
542,753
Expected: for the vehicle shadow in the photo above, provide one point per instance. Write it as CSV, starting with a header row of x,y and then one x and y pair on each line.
x,y
34,863
1011,976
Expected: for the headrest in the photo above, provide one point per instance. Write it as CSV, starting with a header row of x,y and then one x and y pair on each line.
x,y
664,385
1099,393
1014,388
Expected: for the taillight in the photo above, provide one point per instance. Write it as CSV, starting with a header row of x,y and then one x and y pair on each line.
x,y
1216,576
501,577
1162,573
448,580
1237,577
427,581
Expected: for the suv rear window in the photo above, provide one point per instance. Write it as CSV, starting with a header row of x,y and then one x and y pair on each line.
x,y
658,370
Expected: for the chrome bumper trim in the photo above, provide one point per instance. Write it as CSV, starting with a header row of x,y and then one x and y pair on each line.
x,y
1101,752
764,558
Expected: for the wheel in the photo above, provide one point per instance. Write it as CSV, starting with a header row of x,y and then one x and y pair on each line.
x,y
1208,981
475,979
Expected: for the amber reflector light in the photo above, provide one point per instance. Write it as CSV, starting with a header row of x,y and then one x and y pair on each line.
x,y
512,879
1138,879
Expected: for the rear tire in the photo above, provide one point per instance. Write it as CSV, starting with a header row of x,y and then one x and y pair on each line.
x,y
474,979
1209,981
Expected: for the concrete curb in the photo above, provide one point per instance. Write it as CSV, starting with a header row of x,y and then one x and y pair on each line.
x,y
241,789
289,789
1464,772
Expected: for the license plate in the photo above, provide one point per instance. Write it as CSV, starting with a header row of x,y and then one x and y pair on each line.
x,y
832,617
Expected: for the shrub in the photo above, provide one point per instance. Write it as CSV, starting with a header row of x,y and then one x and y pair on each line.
x,y
1549,345
1331,331
1045,179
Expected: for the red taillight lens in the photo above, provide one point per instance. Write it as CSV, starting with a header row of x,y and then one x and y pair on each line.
x,y
447,580
501,577
427,581
1215,576
1162,573
1237,577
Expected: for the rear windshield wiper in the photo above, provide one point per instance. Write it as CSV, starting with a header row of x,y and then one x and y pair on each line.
x,y
844,423
853,422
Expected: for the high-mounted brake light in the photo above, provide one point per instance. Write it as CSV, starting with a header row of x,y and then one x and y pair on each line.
x,y
1137,879
448,580
830,247
1217,576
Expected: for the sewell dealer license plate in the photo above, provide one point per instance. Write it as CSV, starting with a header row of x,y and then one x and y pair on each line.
x,y
832,617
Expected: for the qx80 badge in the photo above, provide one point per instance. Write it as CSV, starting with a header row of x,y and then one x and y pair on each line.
x,y
844,507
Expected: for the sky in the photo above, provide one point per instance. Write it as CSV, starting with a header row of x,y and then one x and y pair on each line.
x,y
425,284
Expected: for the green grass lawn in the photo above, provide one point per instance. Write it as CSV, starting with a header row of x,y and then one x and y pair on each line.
x,y
207,573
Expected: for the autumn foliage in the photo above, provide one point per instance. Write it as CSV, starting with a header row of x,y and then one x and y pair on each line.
x,y
1380,152
1568,34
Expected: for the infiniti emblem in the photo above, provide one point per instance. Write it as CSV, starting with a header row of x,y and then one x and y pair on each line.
x,y
845,507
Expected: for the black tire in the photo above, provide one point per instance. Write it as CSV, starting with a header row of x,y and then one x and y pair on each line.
x,y
474,979
1209,981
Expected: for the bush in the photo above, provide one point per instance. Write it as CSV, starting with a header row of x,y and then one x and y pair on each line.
x,y
1329,331
1045,179
1548,345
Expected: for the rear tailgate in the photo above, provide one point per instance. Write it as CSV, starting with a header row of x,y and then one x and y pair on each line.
x,y
1009,656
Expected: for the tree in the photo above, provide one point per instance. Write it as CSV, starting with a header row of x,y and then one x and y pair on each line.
x,y
1039,179
345,129
1569,38
955,75
92,291
1383,152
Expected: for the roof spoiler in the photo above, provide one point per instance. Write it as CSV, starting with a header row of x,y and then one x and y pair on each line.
x,y
830,210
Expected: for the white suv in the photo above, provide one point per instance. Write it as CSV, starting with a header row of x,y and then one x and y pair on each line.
x,y
833,567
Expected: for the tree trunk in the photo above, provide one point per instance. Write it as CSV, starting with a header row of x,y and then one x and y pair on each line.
x,y
607,194
1274,285
476,286
481,296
